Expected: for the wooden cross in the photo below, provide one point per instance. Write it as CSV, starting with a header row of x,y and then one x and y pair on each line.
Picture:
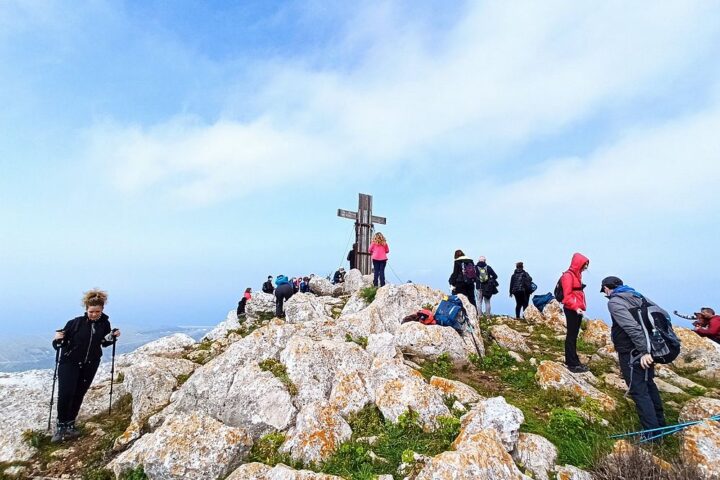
x,y
364,220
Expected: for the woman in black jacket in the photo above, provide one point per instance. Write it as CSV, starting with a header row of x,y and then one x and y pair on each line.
x,y
80,344
520,288
486,285
464,276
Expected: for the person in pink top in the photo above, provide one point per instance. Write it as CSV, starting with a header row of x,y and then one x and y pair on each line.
x,y
378,252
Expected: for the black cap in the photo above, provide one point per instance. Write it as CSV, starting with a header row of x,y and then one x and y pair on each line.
x,y
610,282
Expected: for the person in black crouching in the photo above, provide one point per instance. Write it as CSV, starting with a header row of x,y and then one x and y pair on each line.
x,y
80,344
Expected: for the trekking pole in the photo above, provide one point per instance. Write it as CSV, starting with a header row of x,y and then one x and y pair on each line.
x,y
52,393
668,429
112,371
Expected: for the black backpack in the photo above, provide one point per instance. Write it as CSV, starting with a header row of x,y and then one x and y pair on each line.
x,y
469,272
663,343
558,292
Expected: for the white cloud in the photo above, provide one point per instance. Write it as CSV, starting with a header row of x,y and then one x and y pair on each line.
x,y
506,73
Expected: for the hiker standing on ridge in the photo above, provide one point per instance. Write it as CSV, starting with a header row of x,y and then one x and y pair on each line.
x,y
628,336
464,276
574,306
283,291
267,287
378,252
486,285
80,344
520,288
351,257
243,302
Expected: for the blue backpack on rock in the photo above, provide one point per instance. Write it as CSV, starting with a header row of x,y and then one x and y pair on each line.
x,y
448,311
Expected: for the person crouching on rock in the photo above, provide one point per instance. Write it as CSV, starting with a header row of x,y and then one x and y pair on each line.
x,y
243,303
283,291
80,344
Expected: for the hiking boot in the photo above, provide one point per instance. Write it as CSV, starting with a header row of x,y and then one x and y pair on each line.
x,y
59,435
71,432
578,368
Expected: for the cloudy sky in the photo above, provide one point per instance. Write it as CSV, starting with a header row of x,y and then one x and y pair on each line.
x,y
174,153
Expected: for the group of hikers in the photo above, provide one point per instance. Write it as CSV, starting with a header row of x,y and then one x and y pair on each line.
x,y
641,331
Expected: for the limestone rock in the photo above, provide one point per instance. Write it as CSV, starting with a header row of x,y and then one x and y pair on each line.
x,y
261,303
701,447
354,304
16,471
431,341
324,287
666,387
496,414
150,380
172,346
536,454
484,457
222,329
314,366
664,372
508,338
625,448
597,333
608,351
392,303
259,471
552,316
382,345
615,381
464,393
397,387
350,393
696,352
569,472
319,430
554,375
699,408
354,281
303,307
186,446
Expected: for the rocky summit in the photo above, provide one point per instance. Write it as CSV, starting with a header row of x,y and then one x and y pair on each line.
x,y
341,388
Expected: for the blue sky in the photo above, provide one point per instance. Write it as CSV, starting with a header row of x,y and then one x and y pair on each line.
x,y
174,153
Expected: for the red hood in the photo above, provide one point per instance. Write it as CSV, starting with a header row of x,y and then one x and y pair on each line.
x,y
577,263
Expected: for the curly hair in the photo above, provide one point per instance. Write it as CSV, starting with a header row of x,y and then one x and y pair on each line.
x,y
95,298
379,238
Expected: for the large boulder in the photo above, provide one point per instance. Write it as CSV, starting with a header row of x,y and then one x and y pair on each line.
x,y
382,345
697,352
324,287
350,393
510,339
354,304
496,414
554,375
431,341
570,472
186,446
222,329
314,366
552,316
261,304
355,280
667,374
483,456
699,408
318,432
701,447
596,332
260,471
303,307
397,388
536,454
463,393
172,346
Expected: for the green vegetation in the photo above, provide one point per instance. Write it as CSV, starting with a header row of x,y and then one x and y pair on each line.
x,y
368,294
278,369
362,341
204,346
267,451
441,367
182,378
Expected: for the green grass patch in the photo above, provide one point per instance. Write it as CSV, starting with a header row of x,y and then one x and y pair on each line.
x,y
182,378
267,450
696,391
368,294
278,369
440,367
205,345
496,358
362,341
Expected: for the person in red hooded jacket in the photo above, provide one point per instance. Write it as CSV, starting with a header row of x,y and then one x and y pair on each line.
x,y
574,306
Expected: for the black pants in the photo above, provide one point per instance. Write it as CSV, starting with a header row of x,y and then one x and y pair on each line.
x,y
467,289
282,292
73,382
379,272
643,392
573,329
521,302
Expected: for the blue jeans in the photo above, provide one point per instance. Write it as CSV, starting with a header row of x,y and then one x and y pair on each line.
x,y
379,272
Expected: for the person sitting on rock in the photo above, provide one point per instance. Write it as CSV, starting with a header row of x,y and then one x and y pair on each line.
x,y
464,276
243,301
520,288
283,291
339,276
630,342
80,344
267,287
574,307
305,285
708,324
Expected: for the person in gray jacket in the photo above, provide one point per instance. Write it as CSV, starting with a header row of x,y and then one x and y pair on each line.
x,y
633,348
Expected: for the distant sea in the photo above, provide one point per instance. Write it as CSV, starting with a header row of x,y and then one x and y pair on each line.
x,y
29,352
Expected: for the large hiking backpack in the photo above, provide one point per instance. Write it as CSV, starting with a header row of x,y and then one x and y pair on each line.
x,y
662,342
469,272
449,311
483,275
540,301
